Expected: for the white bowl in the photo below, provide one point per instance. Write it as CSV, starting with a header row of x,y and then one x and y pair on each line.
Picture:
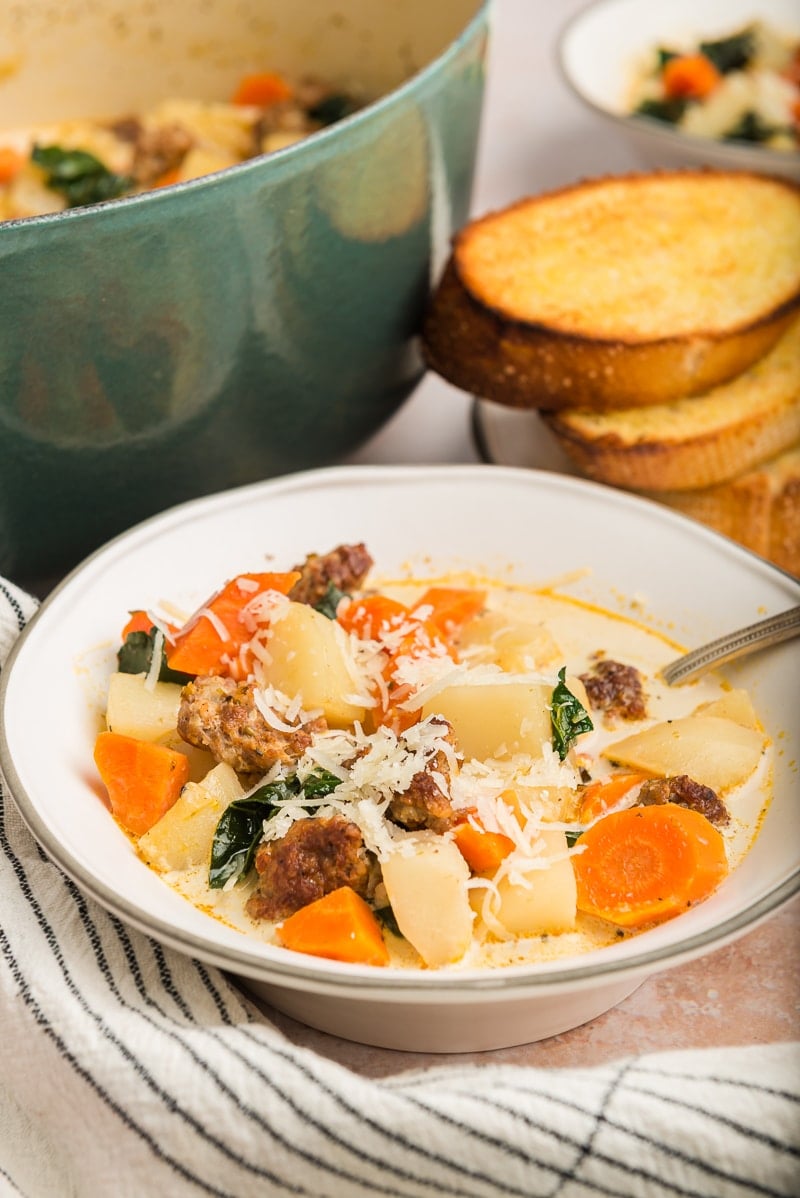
x,y
693,582
598,50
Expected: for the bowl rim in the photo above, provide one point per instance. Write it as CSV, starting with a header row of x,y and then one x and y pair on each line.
x,y
729,152
420,80
286,969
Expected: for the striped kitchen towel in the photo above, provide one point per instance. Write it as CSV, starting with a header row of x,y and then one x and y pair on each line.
x,y
127,1069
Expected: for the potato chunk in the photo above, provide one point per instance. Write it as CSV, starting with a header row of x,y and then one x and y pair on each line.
x,y
308,659
182,838
146,713
734,705
427,890
496,718
547,905
516,646
718,752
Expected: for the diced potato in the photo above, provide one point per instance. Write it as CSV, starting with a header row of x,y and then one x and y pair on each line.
x,y
548,905
496,718
428,893
204,160
543,802
734,705
182,838
307,659
133,709
716,752
200,760
517,646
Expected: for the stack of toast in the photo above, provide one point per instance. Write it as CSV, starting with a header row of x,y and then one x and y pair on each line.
x,y
653,323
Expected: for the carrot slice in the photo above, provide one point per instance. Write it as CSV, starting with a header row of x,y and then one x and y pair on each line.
x,y
339,926
648,864
168,178
262,89
600,796
372,616
483,851
451,607
143,779
216,632
139,622
690,75
11,163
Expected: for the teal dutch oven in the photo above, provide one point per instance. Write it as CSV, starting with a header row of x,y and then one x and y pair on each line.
x,y
254,322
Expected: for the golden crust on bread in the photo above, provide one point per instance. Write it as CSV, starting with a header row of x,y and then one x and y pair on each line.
x,y
759,508
619,292
694,442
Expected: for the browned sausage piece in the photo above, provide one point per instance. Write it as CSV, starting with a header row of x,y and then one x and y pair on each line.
x,y
615,689
346,567
684,791
221,715
424,804
315,857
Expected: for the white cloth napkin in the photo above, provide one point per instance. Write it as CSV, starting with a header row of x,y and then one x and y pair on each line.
x,y
129,1070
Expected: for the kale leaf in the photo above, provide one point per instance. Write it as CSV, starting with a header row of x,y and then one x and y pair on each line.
x,y
79,176
568,716
330,601
241,825
136,654
333,108
731,53
669,111
751,127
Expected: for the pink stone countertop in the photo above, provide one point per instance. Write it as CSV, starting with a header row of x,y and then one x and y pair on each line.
x,y
745,993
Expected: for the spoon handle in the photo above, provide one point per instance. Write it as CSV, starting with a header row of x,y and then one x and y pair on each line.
x,y
767,632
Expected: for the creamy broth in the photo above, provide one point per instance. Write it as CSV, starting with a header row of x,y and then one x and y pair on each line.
x,y
572,635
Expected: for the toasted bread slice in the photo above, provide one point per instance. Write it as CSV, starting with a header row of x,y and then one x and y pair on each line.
x,y
619,292
759,509
695,442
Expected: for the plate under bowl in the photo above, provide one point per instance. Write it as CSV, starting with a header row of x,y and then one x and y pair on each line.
x,y
526,525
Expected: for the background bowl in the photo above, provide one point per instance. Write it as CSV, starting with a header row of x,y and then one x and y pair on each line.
x,y
452,517
257,321
601,47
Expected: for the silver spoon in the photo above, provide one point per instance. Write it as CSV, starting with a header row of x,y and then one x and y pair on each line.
x,y
771,631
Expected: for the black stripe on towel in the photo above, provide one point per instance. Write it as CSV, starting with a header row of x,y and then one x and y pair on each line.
x,y
247,1112
400,1141
604,1118
169,1102
15,606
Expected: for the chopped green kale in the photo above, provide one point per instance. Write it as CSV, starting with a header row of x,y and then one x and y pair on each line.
x,y
568,717
330,601
669,111
79,176
751,127
732,53
136,654
241,825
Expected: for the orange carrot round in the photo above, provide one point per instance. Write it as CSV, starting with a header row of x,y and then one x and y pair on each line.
x,y
262,89
451,607
648,864
603,794
143,779
372,616
138,621
11,163
483,851
691,75
214,634
340,926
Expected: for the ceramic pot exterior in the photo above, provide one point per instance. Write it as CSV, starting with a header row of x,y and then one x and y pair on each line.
x,y
256,322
